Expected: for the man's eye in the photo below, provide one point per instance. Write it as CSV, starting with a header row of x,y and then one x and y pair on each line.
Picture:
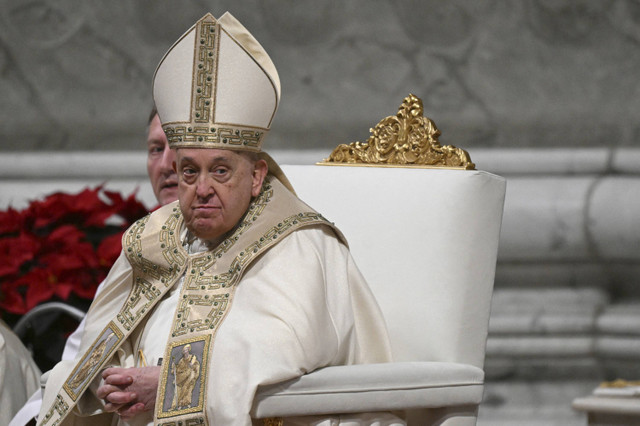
x,y
188,171
155,149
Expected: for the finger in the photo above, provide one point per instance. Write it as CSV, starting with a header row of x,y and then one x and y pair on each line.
x,y
121,397
128,412
111,370
112,408
118,380
103,391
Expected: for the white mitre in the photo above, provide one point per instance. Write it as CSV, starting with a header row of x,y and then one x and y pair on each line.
x,y
216,87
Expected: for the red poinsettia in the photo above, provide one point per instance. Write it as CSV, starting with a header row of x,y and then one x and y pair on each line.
x,y
61,247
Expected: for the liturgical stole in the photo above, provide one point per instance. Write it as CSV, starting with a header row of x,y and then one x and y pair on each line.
x,y
158,259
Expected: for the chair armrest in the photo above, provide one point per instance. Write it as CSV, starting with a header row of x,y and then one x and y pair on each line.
x,y
370,388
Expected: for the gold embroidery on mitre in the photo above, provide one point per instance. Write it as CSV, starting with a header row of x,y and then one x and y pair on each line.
x,y
204,69
407,139
228,136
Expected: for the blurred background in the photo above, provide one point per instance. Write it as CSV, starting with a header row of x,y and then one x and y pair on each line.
x,y
543,92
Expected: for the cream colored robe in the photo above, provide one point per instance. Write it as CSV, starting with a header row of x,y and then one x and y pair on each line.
x,y
19,374
301,306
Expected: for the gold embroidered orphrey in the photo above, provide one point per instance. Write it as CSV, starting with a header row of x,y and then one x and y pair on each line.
x,y
407,139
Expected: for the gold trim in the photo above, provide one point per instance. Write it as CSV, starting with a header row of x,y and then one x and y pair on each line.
x,y
93,359
166,365
407,139
214,135
620,383
61,407
204,70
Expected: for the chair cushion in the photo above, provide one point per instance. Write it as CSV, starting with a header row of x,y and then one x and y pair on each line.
x,y
372,387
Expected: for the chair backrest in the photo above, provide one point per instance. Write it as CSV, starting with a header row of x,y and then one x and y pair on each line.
x,y
426,241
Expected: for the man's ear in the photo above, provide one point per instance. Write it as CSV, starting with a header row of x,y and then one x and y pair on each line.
x,y
260,170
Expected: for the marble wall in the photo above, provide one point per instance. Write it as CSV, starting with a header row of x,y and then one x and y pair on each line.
x,y
75,74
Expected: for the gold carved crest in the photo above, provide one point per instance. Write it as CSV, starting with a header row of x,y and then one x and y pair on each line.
x,y
407,139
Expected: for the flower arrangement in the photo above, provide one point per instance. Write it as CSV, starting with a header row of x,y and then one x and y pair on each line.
x,y
60,248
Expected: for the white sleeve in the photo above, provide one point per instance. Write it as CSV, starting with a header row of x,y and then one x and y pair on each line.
x,y
28,411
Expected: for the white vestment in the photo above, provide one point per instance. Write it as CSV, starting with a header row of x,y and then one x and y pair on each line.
x,y
19,375
302,305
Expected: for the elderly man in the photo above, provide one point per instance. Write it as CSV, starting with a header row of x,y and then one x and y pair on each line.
x,y
240,277
164,182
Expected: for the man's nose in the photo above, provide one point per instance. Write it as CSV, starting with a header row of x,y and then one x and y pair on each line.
x,y
204,186
167,159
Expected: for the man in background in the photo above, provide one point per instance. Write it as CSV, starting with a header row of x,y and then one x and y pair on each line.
x,y
164,183
160,160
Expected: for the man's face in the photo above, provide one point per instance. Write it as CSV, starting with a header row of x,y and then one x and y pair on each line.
x,y
160,164
215,187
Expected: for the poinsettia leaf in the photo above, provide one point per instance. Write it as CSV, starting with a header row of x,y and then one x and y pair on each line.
x,y
17,250
11,221
109,249
62,246
12,301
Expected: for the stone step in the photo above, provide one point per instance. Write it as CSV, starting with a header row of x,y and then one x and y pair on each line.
x,y
533,402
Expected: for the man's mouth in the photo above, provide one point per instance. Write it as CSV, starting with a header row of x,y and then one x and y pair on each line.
x,y
205,207
169,185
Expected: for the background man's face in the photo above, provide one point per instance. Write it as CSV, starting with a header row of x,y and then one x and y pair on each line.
x,y
160,160
215,187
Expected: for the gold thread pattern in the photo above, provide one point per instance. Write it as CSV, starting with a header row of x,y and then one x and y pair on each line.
x,y
196,421
170,244
227,280
273,421
198,280
224,136
204,70
407,139
144,293
168,391
60,407
219,302
93,359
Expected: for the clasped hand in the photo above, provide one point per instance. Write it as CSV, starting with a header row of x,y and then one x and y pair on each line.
x,y
129,391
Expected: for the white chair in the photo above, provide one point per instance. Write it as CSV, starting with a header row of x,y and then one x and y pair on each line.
x,y
426,240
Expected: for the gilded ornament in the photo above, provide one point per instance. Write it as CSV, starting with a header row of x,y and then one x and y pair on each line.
x,y
620,383
407,139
